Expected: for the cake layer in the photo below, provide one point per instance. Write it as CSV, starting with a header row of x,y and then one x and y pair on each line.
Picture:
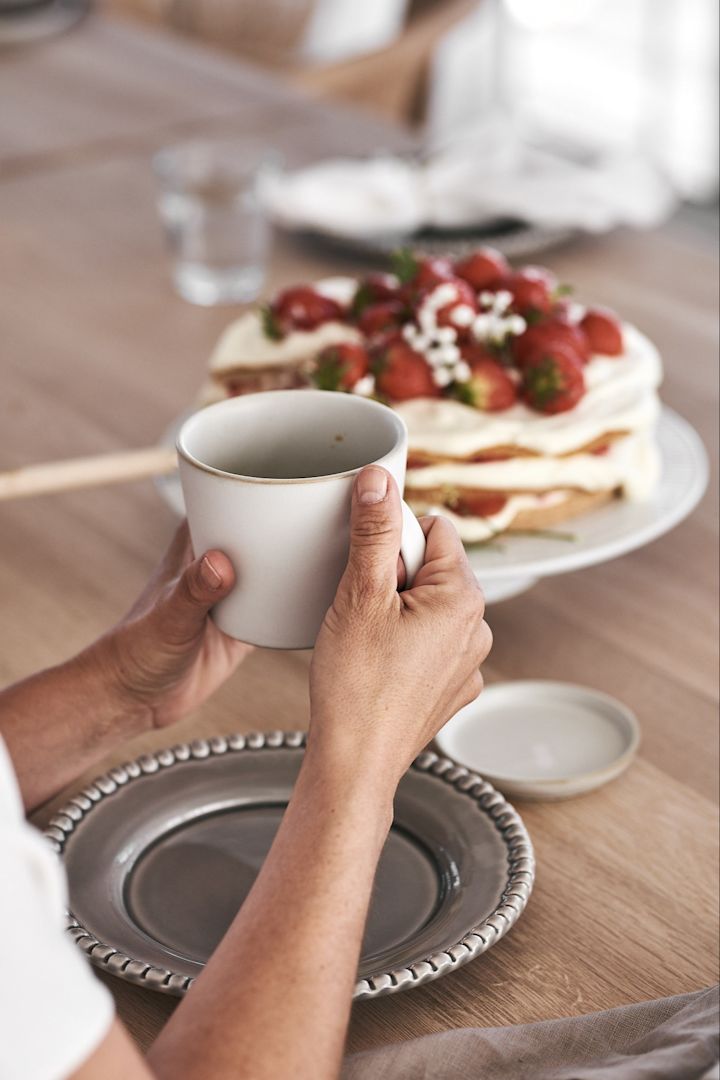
x,y
419,459
244,347
621,396
631,464
520,513
532,466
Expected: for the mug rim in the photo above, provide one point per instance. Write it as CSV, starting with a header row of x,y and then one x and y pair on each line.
x,y
229,403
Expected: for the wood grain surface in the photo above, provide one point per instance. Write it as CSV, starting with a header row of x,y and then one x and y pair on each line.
x,y
99,356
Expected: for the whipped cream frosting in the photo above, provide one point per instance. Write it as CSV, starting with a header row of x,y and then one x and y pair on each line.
x,y
473,530
629,463
621,396
244,343
339,288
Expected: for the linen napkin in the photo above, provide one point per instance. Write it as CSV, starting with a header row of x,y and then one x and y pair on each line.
x,y
492,175
674,1038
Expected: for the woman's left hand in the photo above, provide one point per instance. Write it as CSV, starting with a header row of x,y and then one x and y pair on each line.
x,y
166,654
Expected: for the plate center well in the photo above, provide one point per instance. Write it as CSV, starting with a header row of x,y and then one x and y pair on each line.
x,y
186,888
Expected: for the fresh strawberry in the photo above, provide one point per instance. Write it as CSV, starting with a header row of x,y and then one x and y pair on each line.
x,y
478,503
531,288
417,275
381,316
473,352
445,316
482,268
374,289
604,331
339,367
432,271
401,373
384,339
489,387
553,382
543,336
302,308
414,462
562,307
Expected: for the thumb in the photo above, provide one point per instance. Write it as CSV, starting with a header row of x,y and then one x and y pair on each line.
x,y
202,584
375,531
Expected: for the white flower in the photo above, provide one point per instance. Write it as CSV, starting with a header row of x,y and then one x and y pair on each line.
x,y
462,315
442,355
516,325
438,344
493,324
442,377
503,300
440,296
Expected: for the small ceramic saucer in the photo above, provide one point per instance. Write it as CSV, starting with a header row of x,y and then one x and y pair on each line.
x,y
543,740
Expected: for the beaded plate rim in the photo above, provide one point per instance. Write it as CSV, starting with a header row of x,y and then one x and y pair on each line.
x,y
479,938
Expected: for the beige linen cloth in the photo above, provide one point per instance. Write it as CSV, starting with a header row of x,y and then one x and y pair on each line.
x,y
674,1038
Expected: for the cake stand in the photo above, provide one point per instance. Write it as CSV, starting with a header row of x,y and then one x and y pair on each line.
x,y
512,564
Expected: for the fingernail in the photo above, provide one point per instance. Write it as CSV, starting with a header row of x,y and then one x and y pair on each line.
x,y
371,486
209,575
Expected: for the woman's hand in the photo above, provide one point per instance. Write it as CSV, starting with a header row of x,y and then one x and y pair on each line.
x,y
162,660
166,655
390,668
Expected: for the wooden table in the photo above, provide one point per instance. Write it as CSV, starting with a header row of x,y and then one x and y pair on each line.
x,y
99,354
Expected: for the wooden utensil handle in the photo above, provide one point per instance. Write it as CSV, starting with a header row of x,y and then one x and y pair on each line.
x,y
87,472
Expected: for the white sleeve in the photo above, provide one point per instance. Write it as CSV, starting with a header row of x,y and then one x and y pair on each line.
x,y
54,1012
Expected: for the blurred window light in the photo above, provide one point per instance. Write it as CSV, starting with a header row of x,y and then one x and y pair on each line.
x,y
586,77
541,14
581,83
341,29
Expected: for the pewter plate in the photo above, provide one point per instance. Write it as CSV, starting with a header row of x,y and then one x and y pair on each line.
x,y
516,239
26,22
161,852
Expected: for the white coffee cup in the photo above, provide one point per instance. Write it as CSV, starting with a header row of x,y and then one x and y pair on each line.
x,y
267,478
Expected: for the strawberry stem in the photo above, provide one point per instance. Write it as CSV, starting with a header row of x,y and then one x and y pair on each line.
x,y
270,325
362,299
544,382
404,265
329,372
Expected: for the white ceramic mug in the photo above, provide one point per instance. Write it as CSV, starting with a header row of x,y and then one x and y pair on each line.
x,y
267,478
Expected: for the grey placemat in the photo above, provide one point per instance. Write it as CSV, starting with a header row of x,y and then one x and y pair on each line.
x,y
673,1038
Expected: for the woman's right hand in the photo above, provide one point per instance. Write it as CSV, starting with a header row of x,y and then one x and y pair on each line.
x,y
389,668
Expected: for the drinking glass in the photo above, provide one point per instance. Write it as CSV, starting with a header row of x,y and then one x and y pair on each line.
x,y
210,204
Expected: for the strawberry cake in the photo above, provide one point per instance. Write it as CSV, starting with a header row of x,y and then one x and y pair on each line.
x,y
524,407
